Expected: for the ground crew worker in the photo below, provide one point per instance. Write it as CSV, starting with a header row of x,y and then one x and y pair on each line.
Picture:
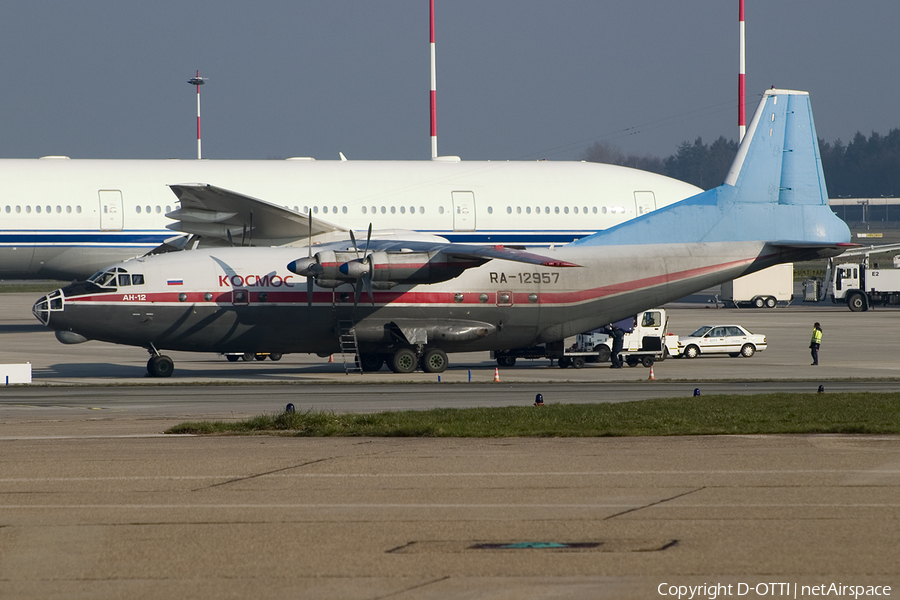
x,y
618,336
815,343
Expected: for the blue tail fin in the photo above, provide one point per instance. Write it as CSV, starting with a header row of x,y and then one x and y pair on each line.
x,y
774,192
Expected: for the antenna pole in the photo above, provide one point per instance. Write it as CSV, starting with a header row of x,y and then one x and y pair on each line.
x,y
433,88
198,81
742,124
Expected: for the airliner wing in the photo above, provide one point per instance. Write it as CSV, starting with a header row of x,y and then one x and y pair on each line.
x,y
211,211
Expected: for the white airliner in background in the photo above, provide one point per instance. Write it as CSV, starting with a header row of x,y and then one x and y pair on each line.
x,y
63,218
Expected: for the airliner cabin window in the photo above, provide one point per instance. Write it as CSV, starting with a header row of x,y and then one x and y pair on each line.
x,y
364,210
38,209
137,209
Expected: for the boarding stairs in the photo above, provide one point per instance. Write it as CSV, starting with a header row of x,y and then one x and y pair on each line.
x,y
349,349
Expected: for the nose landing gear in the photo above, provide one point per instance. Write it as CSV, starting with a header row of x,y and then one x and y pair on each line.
x,y
159,365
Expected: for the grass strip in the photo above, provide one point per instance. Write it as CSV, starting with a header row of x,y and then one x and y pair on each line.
x,y
43,287
860,412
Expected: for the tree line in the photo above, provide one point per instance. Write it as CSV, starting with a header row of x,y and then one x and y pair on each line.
x,y
867,167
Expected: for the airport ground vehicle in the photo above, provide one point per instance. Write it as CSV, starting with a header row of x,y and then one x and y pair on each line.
x,y
862,287
733,340
644,343
763,289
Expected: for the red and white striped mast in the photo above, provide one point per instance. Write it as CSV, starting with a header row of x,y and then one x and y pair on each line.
x,y
433,88
198,81
742,124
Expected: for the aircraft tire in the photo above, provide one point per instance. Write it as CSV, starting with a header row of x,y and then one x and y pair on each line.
x,y
260,357
506,361
160,366
247,356
434,361
403,361
232,357
371,363
276,356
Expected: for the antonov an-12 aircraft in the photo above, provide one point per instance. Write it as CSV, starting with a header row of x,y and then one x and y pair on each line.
x,y
409,304
65,219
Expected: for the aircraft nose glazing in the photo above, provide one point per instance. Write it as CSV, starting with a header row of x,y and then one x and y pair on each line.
x,y
52,302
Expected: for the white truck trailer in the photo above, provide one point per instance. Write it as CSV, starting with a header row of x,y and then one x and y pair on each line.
x,y
861,287
763,289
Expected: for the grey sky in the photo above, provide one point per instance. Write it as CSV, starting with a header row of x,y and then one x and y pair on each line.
x,y
516,79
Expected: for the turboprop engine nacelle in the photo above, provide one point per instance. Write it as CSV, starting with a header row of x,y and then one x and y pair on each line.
x,y
417,267
384,269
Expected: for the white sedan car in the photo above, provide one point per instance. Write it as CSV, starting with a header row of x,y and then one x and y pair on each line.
x,y
733,340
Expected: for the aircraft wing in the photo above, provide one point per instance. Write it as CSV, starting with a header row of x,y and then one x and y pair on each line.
x,y
210,211
459,251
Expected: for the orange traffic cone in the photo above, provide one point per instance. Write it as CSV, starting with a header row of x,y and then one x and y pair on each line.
x,y
652,377
496,375
331,358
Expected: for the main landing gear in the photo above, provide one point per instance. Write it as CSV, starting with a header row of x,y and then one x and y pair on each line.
x,y
405,360
159,365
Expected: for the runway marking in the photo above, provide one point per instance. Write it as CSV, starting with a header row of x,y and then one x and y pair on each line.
x,y
279,473
394,505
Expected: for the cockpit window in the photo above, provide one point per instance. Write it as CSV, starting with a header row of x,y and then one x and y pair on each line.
x,y
113,277
137,280
105,279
